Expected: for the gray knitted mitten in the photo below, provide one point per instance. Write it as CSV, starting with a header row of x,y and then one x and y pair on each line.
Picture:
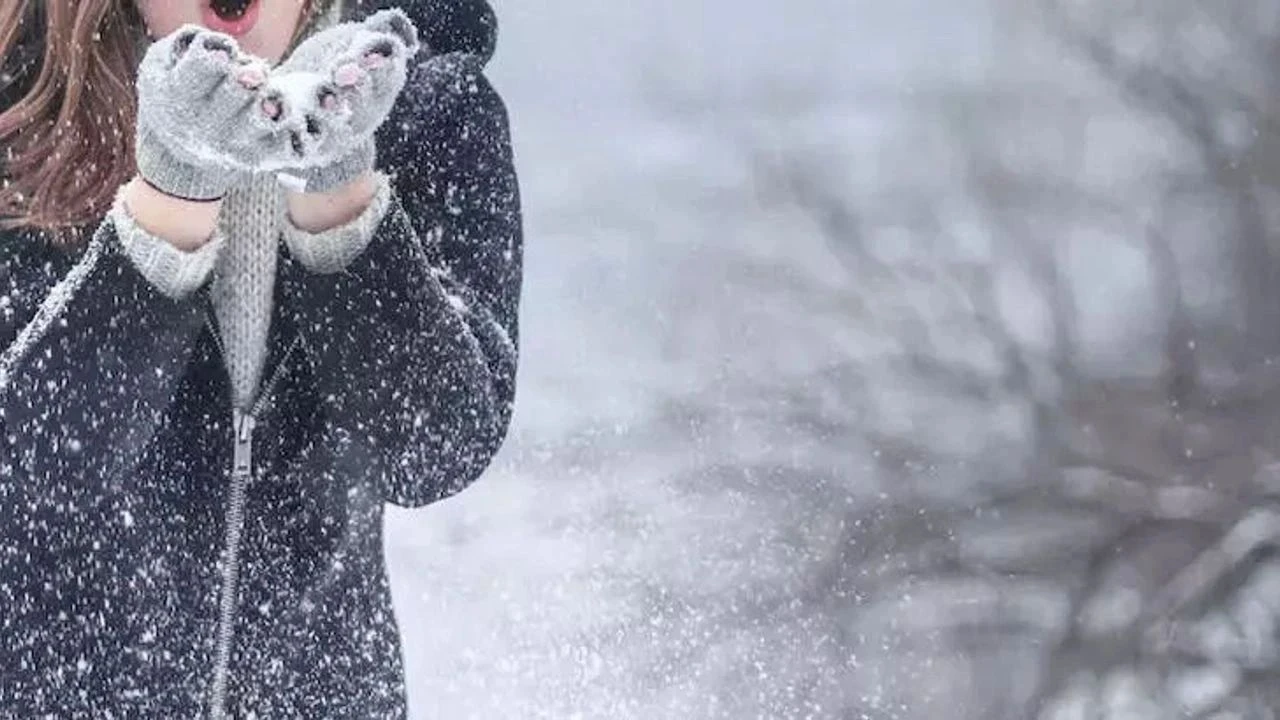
x,y
200,126
331,95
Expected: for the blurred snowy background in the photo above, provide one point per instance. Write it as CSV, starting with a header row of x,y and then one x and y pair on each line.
x,y
900,360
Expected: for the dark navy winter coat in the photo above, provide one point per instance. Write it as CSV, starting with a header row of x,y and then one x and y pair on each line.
x,y
393,382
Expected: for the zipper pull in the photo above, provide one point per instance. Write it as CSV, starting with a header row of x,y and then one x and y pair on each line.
x,y
242,458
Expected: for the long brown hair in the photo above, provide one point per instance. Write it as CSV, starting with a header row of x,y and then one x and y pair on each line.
x,y
68,141
66,145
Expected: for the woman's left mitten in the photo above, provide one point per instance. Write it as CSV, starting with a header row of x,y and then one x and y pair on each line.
x,y
332,94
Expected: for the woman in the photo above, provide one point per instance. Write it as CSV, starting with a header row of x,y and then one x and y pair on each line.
x,y
250,290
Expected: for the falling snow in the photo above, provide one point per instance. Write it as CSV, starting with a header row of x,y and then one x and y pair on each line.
x,y
890,361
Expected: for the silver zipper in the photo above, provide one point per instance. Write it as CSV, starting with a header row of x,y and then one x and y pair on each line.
x,y
242,425
242,464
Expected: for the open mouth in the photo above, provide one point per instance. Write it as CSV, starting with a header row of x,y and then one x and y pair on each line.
x,y
233,17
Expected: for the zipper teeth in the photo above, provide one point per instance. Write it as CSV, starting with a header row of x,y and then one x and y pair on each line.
x,y
227,600
276,374
235,528
213,330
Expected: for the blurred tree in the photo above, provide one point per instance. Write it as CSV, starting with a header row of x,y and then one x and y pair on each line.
x,y
1055,407
1144,135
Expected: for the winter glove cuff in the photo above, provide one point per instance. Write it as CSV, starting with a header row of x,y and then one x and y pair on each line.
x,y
333,250
173,176
175,273
332,176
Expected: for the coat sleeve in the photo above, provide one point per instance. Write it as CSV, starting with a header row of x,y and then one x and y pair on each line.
x,y
414,340
90,355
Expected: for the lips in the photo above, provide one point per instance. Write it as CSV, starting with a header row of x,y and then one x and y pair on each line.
x,y
233,17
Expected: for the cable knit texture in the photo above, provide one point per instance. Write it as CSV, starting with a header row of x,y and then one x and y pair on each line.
x,y
332,250
176,273
244,280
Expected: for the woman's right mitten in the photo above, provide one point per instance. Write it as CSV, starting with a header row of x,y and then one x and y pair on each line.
x,y
332,94
199,125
